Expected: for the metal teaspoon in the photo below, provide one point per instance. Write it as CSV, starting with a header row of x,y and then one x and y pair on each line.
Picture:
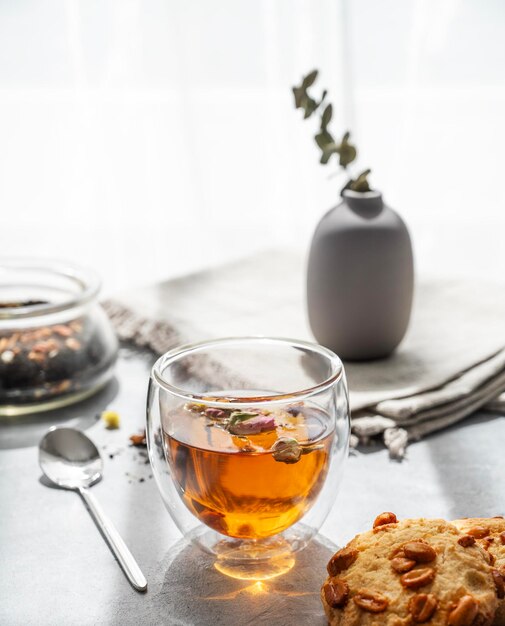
x,y
72,461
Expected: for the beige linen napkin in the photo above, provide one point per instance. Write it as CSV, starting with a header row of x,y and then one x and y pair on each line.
x,y
451,362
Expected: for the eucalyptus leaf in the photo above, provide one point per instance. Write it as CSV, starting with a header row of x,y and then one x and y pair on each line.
x,y
310,105
328,152
326,117
324,139
347,155
361,182
346,151
304,101
300,95
325,157
310,79
327,144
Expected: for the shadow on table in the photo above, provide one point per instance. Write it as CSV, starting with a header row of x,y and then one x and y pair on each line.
x,y
194,592
82,415
469,460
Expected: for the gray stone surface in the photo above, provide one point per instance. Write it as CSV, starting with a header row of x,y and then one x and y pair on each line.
x,y
56,568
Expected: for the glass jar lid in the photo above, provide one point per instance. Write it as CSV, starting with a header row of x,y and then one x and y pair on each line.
x,y
35,287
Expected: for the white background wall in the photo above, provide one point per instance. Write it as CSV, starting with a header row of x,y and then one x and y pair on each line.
x,y
150,138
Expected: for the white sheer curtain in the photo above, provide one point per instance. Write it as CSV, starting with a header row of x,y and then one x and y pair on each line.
x,y
150,138
429,99
147,138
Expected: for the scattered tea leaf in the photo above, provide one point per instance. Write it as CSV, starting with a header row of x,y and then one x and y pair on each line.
x,y
240,416
139,440
309,449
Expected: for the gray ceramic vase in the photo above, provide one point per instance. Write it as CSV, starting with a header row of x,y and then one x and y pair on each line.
x,y
360,278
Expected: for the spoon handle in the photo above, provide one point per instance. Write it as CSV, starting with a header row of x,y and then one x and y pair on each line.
x,y
116,543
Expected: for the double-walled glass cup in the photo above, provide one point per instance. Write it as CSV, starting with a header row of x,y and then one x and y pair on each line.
x,y
247,438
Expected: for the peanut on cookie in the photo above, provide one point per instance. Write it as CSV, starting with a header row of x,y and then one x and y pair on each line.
x,y
489,533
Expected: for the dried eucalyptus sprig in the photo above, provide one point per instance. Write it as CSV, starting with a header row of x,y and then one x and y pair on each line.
x,y
302,98
345,150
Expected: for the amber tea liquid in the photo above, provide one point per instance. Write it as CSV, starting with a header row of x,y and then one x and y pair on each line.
x,y
234,484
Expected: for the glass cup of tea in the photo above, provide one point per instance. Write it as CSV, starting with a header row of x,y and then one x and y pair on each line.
x,y
247,438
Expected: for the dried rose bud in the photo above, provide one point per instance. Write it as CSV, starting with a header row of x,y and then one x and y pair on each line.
x,y
252,425
286,450
294,410
215,414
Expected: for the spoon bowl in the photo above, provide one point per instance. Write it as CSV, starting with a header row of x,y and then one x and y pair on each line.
x,y
69,458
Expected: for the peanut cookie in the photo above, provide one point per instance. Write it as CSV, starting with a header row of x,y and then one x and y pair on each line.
x,y
409,572
490,534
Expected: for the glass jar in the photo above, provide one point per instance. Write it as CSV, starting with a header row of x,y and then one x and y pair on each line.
x,y
247,438
57,345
